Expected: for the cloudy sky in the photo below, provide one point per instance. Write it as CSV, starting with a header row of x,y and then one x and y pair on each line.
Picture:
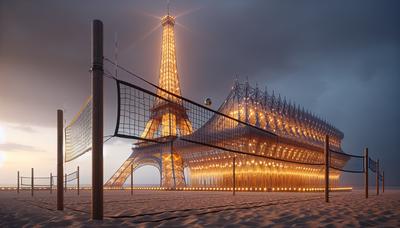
x,y
339,59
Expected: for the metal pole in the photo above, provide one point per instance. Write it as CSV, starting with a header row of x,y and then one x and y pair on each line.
x,y
172,161
17,182
77,180
383,181
60,162
234,175
366,165
97,119
131,179
32,182
327,168
51,183
65,183
377,177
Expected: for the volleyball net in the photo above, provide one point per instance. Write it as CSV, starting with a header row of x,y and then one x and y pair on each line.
x,y
78,133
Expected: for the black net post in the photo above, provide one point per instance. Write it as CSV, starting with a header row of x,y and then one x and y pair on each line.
x,y
65,182
326,168
51,183
32,182
17,182
234,175
97,120
377,177
60,162
172,157
366,165
77,180
131,179
383,181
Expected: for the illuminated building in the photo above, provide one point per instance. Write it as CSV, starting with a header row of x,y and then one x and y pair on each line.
x,y
297,136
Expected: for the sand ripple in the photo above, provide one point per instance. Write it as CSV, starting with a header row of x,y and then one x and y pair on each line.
x,y
199,209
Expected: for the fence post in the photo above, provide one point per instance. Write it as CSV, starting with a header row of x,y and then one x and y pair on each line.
x,y
97,119
77,180
51,183
131,179
17,182
383,181
60,162
32,182
65,182
234,175
326,168
377,177
366,165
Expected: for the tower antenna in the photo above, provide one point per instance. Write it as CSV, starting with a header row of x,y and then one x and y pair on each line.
x,y
168,3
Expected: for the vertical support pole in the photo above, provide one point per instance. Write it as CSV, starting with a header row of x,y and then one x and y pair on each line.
x,y
17,182
65,183
377,177
161,172
97,120
172,162
327,168
383,181
60,162
51,183
234,175
77,180
131,179
32,182
366,165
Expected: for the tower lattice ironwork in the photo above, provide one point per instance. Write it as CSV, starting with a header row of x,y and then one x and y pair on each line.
x,y
169,118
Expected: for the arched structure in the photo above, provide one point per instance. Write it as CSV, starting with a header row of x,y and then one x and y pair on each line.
x,y
137,160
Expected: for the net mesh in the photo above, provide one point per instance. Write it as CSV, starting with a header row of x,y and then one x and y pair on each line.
x,y
37,182
72,176
355,163
146,116
200,134
78,134
372,165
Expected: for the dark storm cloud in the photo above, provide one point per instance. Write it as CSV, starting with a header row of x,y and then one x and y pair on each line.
x,y
340,59
274,40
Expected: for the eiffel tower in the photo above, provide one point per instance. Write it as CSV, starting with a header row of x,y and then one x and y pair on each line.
x,y
168,118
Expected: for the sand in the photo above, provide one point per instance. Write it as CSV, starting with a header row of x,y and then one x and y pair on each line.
x,y
199,209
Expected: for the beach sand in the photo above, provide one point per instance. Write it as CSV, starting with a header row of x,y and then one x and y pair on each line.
x,y
198,209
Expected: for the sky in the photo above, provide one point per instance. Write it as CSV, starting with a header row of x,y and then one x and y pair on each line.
x,y
339,59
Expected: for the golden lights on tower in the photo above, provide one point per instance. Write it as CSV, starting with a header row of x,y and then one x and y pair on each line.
x,y
171,116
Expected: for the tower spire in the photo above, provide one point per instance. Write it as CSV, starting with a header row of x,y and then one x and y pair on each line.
x,y
169,114
168,3
169,79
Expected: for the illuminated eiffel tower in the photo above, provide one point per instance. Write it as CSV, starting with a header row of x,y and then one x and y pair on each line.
x,y
172,118
169,118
